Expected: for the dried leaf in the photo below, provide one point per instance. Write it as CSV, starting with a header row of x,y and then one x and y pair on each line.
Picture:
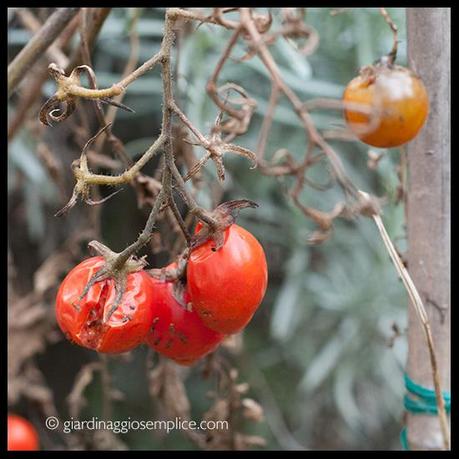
x,y
243,442
167,385
104,440
48,274
76,399
252,410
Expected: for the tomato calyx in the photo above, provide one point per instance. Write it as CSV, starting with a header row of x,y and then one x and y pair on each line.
x,y
225,215
114,268
173,272
383,66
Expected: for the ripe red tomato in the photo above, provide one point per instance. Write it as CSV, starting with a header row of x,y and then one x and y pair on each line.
x,y
396,100
22,435
128,324
227,285
177,331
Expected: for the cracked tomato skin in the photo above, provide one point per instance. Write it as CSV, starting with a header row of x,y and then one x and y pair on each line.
x,y
177,332
128,324
22,435
227,285
397,100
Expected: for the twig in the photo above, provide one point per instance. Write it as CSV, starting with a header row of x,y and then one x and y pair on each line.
x,y
37,77
212,83
418,305
39,43
34,25
267,122
130,65
95,23
393,53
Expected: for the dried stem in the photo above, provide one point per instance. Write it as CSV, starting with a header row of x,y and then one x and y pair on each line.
x,y
418,305
29,20
39,43
393,53
267,122
130,65
37,77
95,23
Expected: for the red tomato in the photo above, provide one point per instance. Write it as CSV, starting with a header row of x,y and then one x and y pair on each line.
x,y
128,324
227,285
177,331
22,435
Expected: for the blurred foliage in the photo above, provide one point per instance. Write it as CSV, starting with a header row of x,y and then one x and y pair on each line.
x,y
316,353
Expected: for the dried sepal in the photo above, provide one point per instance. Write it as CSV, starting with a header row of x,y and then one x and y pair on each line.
x,y
225,215
244,152
197,167
112,270
71,203
231,209
52,110
109,101
91,202
216,147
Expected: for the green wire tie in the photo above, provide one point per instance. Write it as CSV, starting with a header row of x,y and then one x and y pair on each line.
x,y
425,403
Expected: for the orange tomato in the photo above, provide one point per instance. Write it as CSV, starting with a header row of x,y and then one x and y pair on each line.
x,y
385,106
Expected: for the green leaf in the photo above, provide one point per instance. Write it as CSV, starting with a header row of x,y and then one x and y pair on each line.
x,y
327,357
284,317
24,159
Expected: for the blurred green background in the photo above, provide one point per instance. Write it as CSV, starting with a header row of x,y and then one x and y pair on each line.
x,y
316,354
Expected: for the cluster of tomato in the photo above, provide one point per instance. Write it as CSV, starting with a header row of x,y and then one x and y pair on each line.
x,y
385,106
183,320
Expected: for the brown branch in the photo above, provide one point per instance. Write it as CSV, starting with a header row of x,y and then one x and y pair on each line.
x,y
95,23
33,24
130,65
37,77
393,53
421,313
212,83
267,122
39,43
